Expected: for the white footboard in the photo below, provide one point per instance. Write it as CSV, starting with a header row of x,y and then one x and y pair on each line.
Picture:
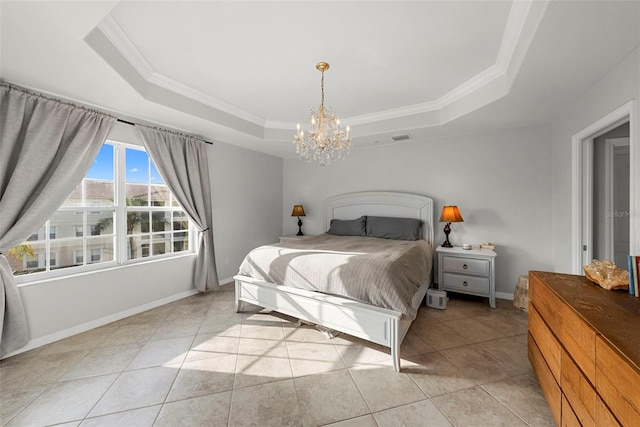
x,y
378,325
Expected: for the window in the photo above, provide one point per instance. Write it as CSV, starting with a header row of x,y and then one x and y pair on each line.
x,y
121,212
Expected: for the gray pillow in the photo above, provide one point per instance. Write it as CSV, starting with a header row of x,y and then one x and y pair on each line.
x,y
348,227
393,228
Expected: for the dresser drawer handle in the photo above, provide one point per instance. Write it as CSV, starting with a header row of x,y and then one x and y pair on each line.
x,y
465,283
464,266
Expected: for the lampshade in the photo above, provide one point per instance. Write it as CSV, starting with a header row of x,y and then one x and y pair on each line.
x,y
298,210
450,214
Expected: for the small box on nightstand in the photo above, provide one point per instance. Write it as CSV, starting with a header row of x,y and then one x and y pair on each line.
x,y
436,299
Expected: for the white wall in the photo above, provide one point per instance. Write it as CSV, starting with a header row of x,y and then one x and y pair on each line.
x,y
620,86
500,181
247,209
247,203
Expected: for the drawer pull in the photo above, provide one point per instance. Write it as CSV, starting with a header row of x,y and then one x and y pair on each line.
x,y
465,283
465,267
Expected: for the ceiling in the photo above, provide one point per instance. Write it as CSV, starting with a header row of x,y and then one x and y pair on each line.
x,y
244,72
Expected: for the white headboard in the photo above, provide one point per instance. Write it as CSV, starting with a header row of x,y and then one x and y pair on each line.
x,y
382,203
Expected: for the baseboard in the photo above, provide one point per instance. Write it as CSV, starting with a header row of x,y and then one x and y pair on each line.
x,y
227,281
66,333
504,295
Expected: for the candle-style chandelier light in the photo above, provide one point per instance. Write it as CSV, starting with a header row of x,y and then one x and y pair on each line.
x,y
326,141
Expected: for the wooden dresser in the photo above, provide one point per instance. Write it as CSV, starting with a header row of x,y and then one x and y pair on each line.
x,y
584,346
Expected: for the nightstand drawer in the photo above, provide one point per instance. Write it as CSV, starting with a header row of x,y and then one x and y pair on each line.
x,y
466,283
478,267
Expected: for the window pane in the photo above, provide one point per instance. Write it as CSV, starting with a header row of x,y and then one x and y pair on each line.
x,y
103,165
99,223
137,222
137,164
161,221
155,175
180,221
159,195
100,249
63,253
23,258
64,224
137,195
37,235
161,244
138,246
75,198
99,193
181,241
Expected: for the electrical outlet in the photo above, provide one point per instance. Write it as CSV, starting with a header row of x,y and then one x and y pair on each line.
x,y
226,260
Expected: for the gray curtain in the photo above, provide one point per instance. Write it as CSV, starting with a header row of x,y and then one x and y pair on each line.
x,y
182,162
46,148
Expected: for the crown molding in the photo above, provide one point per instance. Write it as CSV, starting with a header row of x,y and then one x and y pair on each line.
x,y
121,41
520,27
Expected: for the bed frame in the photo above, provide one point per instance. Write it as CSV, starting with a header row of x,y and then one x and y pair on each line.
x,y
379,325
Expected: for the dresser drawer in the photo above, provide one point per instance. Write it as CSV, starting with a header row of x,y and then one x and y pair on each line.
x,y
477,267
604,417
546,342
549,386
569,417
617,382
578,392
547,303
479,285
580,341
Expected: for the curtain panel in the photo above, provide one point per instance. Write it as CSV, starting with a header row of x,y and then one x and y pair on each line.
x,y
182,162
46,148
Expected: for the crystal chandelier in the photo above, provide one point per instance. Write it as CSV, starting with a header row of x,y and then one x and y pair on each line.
x,y
325,141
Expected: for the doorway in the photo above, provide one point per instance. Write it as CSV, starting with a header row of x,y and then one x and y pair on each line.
x,y
611,211
603,224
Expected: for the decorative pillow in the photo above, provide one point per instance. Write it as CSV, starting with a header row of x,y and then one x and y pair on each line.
x,y
393,228
348,227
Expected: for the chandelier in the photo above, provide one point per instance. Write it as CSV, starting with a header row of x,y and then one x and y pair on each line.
x,y
326,141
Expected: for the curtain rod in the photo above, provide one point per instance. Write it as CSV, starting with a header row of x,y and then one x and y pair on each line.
x,y
133,124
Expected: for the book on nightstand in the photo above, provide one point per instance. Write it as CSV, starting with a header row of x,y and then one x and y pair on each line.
x,y
488,245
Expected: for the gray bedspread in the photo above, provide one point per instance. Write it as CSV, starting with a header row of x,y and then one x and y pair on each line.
x,y
385,273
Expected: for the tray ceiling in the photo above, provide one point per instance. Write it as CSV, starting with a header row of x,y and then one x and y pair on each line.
x,y
244,72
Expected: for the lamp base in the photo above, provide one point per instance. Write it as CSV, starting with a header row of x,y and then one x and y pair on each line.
x,y
299,227
447,230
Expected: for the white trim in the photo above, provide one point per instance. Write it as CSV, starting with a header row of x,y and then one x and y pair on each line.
x,y
504,295
516,38
626,112
121,41
66,333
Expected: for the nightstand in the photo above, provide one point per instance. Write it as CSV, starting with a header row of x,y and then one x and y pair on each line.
x,y
467,271
292,238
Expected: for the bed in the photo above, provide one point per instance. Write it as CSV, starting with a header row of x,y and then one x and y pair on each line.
x,y
369,321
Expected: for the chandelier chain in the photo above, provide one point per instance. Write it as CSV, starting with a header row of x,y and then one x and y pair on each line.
x,y
322,91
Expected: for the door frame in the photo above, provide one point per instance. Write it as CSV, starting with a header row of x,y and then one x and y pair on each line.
x,y
582,184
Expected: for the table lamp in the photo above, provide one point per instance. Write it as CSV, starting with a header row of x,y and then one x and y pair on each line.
x,y
449,214
298,211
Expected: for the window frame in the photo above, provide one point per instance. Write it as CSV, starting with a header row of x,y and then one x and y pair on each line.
x,y
119,236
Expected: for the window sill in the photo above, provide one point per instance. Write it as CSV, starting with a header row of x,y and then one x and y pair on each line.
x,y
24,281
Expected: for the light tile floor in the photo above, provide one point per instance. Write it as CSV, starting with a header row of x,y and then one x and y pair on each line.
x,y
197,363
